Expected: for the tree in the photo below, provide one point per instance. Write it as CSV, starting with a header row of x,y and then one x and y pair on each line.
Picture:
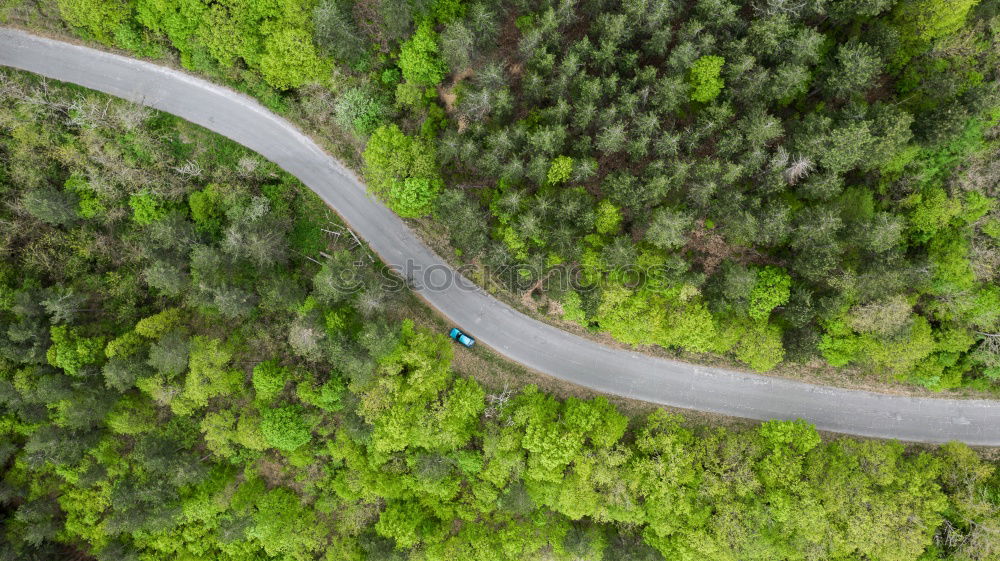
x,y
285,428
419,59
760,346
772,289
99,19
920,22
847,10
560,170
269,380
857,66
704,77
457,42
51,206
147,208
360,110
336,33
284,526
668,229
402,170
607,218
72,351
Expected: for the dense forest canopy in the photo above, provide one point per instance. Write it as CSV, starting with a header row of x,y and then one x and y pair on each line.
x,y
184,376
769,180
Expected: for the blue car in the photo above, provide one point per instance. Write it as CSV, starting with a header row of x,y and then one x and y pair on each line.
x,y
462,338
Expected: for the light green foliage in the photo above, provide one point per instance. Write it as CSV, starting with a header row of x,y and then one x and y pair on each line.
x,y
132,415
289,59
555,433
269,379
419,59
156,325
328,396
899,354
285,428
147,208
413,404
572,310
772,289
704,77
760,347
285,527
72,351
207,208
560,170
218,428
951,272
271,38
207,376
100,19
402,170
410,95
90,203
406,523
124,345
608,217
931,211
923,21
664,319
414,196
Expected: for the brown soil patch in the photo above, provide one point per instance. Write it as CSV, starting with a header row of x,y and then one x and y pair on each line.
x,y
711,250
447,94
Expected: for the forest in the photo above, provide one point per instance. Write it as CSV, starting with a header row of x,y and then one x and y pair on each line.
x,y
192,366
773,183
197,361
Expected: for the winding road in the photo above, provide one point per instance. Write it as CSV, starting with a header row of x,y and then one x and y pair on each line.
x,y
517,337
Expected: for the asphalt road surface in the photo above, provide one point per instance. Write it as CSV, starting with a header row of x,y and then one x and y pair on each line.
x,y
517,337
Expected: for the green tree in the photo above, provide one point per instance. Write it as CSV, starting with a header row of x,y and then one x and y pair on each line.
x,y
285,428
72,351
704,77
289,60
147,208
857,67
668,229
419,59
772,289
402,170
920,22
101,19
560,170
269,379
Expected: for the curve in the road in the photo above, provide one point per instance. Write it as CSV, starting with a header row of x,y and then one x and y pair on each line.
x,y
534,344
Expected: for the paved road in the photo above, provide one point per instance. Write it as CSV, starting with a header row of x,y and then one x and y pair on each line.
x,y
519,338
